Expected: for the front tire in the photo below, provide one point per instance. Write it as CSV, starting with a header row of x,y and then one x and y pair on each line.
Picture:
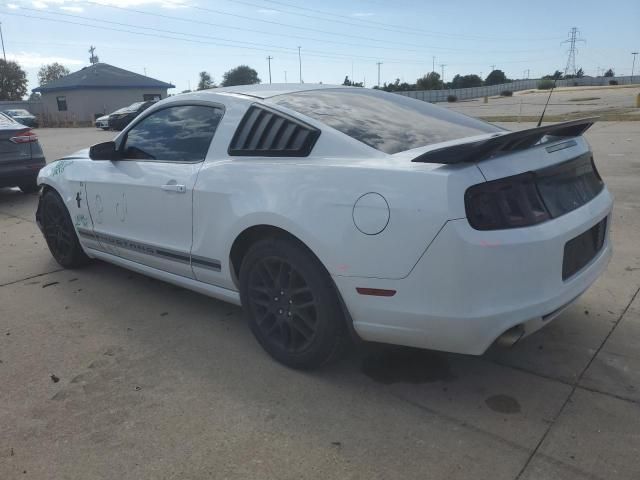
x,y
291,304
59,232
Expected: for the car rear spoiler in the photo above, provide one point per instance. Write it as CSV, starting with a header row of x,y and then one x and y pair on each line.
x,y
509,142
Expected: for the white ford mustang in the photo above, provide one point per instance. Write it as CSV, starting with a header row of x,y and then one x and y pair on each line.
x,y
328,212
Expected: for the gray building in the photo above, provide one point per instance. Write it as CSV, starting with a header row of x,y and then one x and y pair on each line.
x,y
81,96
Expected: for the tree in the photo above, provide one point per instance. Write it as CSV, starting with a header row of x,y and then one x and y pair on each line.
x,y
557,75
430,81
205,81
466,81
496,77
349,83
13,81
580,73
242,75
51,72
35,97
610,73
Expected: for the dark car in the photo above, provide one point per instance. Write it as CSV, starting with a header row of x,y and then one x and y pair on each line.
x,y
21,156
121,118
22,116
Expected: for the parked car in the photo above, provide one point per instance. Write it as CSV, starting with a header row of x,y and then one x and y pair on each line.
x,y
21,156
103,122
22,116
329,210
121,118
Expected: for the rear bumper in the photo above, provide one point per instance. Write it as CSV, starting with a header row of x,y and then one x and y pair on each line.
x,y
471,286
16,173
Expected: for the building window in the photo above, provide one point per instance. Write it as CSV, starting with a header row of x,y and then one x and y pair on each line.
x,y
151,97
62,104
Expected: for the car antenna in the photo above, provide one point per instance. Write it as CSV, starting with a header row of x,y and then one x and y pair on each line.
x,y
545,105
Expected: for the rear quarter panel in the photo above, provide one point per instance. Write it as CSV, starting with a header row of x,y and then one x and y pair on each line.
x,y
313,198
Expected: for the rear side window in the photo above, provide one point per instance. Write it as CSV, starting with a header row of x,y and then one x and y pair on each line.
x,y
174,134
387,122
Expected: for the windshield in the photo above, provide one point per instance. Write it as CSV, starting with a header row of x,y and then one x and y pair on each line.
x,y
133,107
387,122
18,113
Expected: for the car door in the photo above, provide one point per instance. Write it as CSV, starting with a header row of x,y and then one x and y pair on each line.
x,y
141,205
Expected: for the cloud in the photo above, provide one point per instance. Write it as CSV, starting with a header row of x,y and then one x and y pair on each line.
x,y
72,9
362,14
12,6
39,5
34,60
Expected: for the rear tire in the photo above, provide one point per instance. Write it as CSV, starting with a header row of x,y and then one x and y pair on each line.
x,y
29,187
59,232
291,304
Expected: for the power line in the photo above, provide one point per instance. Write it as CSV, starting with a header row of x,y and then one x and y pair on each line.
x,y
227,42
377,25
253,31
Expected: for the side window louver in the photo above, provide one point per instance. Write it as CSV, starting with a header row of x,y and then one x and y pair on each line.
x,y
266,132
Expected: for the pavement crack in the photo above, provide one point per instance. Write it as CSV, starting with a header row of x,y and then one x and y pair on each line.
x,y
29,278
30,220
575,386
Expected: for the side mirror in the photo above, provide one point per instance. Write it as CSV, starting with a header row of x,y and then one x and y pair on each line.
x,y
104,151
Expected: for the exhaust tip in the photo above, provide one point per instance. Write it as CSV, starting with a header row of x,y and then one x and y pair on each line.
x,y
510,337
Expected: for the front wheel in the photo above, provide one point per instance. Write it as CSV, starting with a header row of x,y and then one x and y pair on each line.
x,y
59,232
291,304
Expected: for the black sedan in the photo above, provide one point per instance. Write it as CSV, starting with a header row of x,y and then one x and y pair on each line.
x,y
22,116
121,118
21,156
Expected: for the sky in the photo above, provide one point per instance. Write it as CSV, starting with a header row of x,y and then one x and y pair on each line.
x,y
173,40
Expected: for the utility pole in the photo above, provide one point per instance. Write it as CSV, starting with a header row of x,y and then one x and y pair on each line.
x,y
526,73
378,63
94,58
493,67
442,65
433,63
145,71
285,76
633,66
571,59
269,58
300,62
1,37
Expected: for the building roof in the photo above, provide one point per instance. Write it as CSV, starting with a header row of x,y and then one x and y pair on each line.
x,y
102,75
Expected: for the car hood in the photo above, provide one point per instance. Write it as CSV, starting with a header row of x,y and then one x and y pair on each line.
x,y
104,117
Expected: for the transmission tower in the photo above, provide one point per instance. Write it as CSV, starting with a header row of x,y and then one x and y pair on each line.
x,y
574,35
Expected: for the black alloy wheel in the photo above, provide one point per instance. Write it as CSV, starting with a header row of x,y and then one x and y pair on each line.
x,y
291,303
59,232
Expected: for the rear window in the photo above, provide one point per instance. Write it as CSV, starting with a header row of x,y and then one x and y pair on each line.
x,y
387,122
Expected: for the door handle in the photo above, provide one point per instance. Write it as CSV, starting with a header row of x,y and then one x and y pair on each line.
x,y
174,188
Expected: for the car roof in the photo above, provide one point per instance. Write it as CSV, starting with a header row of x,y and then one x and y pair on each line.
x,y
263,91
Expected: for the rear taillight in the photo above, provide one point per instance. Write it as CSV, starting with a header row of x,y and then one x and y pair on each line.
x,y
506,203
28,136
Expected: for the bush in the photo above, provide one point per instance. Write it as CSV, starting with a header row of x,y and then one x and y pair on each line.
x,y
613,82
506,93
545,84
452,98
